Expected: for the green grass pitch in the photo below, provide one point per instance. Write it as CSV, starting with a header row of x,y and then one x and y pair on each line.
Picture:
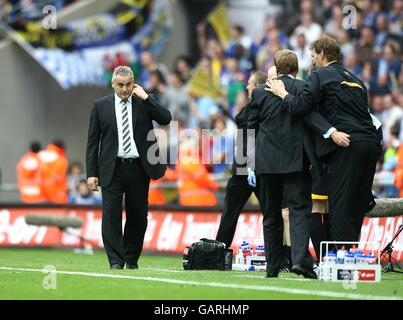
x,y
161,277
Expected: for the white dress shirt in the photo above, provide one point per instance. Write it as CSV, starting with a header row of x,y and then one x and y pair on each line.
x,y
133,153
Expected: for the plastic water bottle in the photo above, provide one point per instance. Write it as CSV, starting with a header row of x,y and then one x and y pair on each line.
x,y
246,251
244,246
349,258
359,258
228,259
341,255
259,251
330,258
371,258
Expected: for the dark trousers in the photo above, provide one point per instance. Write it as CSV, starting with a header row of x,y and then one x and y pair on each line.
x,y
351,172
237,194
297,187
132,181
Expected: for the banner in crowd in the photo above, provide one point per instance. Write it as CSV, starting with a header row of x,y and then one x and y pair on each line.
x,y
167,231
86,51
218,18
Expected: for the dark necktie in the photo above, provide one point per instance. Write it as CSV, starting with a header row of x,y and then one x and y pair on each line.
x,y
125,125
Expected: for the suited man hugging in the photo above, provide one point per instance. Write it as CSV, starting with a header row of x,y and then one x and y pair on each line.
x,y
283,154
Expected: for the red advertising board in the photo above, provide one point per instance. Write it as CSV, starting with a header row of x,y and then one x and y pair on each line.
x,y
167,232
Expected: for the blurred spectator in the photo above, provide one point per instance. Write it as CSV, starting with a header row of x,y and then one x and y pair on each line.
x,y
232,78
270,27
389,64
239,39
28,175
53,169
364,47
84,196
334,25
381,32
157,84
264,59
74,176
351,64
203,108
196,186
395,18
183,67
346,46
222,146
390,114
398,174
304,56
309,27
176,99
148,65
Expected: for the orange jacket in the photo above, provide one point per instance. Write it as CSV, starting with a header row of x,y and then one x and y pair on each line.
x,y
195,186
54,166
28,178
155,194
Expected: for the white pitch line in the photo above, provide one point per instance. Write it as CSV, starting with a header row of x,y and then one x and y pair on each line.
x,y
328,294
279,278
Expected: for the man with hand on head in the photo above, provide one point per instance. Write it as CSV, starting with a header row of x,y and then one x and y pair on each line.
x,y
120,136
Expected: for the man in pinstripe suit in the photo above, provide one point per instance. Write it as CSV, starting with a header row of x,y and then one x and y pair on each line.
x,y
283,155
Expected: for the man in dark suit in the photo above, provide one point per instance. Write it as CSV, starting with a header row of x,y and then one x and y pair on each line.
x,y
350,147
283,155
120,138
238,190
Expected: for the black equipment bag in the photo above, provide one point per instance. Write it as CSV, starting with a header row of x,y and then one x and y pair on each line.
x,y
207,255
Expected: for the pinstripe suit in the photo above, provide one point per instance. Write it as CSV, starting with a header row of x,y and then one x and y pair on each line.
x,y
283,154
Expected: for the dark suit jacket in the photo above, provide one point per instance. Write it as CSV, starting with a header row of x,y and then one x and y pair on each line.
x,y
281,139
341,99
240,160
103,144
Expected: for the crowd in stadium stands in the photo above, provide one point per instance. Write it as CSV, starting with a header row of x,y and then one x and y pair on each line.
x,y
372,51
19,11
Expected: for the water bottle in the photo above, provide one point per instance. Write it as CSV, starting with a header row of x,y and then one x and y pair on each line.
x,y
259,251
228,259
358,256
330,258
371,258
246,250
341,255
349,258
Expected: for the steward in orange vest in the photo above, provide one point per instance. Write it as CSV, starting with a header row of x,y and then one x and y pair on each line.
x,y
196,188
28,176
54,166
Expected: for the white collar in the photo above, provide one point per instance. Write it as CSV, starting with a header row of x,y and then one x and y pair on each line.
x,y
288,75
119,100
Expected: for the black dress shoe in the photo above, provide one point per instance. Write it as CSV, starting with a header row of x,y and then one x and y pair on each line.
x,y
304,271
116,266
132,266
